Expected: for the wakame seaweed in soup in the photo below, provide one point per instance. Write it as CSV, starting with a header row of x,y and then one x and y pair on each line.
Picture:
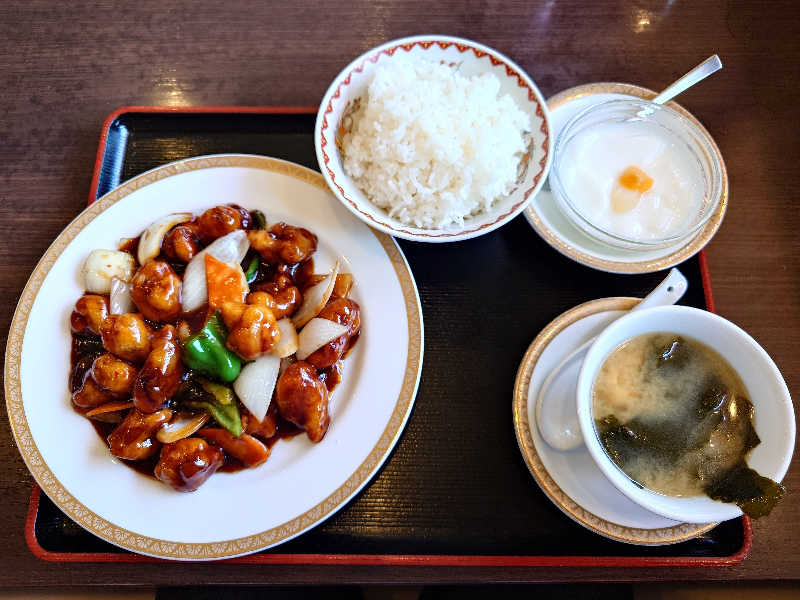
x,y
676,418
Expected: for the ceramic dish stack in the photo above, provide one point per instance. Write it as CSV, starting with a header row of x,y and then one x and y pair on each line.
x,y
574,479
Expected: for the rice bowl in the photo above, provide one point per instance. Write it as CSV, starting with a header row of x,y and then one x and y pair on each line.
x,y
481,200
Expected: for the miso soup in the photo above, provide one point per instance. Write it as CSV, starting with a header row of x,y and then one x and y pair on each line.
x,y
677,419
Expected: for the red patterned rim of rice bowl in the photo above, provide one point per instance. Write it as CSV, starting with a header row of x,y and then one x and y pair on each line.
x,y
326,135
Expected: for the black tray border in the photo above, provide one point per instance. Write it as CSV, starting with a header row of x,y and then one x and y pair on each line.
x,y
365,559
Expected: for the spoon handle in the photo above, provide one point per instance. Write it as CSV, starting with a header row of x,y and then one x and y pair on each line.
x,y
700,72
668,292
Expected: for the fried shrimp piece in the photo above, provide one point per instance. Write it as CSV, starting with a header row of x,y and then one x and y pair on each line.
x,y
283,243
181,244
135,437
156,291
90,312
303,399
284,296
186,464
252,327
114,375
89,394
127,336
161,373
219,221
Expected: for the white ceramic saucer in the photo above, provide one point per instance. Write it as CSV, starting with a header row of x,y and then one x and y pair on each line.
x,y
548,221
571,479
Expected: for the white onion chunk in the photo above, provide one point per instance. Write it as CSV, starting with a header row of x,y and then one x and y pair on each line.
x,y
102,265
287,345
255,384
120,300
315,298
316,334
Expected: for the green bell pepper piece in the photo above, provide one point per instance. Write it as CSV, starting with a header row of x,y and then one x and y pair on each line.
x,y
260,219
205,351
252,270
223,407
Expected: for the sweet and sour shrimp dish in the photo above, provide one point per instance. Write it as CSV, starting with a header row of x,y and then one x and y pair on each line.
x,y
206,339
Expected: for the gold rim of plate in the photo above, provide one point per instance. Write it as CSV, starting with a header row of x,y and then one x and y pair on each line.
x,y
224,548
631,535
692,247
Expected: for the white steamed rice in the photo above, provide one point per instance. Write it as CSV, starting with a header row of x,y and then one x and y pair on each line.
x,y
432,146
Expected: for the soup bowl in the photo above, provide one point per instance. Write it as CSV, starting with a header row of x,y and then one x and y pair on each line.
x,y
773,412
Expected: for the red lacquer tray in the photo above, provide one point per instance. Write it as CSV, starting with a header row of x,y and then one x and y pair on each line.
x,y
455,491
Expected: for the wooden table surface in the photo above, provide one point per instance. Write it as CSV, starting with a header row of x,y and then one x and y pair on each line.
x,y
64,68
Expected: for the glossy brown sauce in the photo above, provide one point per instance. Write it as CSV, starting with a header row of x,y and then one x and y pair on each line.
x,y
350,343
131,245
196,318
332,376
87,346
80,369
284,430
231,465
303,274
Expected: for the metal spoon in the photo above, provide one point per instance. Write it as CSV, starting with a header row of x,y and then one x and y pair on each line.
x,y
710,65
563,432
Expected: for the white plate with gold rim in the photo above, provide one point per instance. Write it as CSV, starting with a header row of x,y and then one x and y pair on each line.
x,y
547,220
302,483
571,479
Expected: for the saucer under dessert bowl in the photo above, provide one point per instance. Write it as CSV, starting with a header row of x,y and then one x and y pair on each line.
x,y
563,234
